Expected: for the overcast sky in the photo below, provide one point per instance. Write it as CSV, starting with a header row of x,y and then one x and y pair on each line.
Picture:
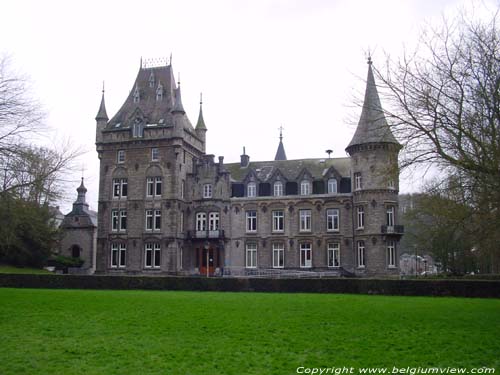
x,y
259,64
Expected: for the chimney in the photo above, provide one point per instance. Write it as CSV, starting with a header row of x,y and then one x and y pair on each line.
x,y
245,159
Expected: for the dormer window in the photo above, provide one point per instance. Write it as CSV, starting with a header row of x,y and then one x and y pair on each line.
x,y
138,128
207,191
159,92
151,80
251,189
136,95
278,189
305,187
332,186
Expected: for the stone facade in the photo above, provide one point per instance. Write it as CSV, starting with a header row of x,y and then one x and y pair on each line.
x,y
166,207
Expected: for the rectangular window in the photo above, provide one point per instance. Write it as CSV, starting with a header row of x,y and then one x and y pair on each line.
x,y
361,217
123,220
152,255
120,188
114,220
278,189
251,255
201,221
120,156
251,217
213,221
183,188
251,189
155,154
305,255
305,220
332,220
149,219
305,188
181,222
332,186
391,254
157,220
390,216
278,255
278,221
118,252
153,186
358,183
207,191
333,254
361,254
391,184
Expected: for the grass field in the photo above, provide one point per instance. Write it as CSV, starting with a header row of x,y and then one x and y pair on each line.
x,y
145,332
11,269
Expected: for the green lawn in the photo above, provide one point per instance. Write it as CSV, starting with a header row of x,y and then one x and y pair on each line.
x,y
145,332
12,269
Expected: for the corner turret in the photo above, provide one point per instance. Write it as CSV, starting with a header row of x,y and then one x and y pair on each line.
x,y
201,128
101,118
280,153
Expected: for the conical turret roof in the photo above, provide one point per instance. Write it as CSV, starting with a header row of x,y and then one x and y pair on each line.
x,y
101,114
280,153
372,125
200,125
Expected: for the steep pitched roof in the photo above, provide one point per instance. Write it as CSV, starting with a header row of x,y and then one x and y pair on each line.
x,y
290,169
200,125
101,114
280,153
372,126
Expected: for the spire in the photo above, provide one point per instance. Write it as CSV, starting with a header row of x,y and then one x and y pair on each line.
x,y
200,125
102,115
280,153
82,190
178,108
372,126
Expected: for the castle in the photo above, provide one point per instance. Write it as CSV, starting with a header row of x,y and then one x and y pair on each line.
x,y
166,207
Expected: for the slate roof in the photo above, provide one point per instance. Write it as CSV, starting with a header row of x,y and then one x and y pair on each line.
x,y
372,126
101,114
200,124
150,110
280,153
290,169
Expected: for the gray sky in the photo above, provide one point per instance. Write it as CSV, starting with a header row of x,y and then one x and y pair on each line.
x,y
259,64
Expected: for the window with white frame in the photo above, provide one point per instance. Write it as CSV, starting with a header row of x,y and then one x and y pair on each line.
x,y
159,92
358,183
118,220
251,255
120,156
390,216
305,255
136,95
278,221
333,254
391,254
120,188
278,189
123,220
118,253
278,255
201,221
251,189
114,220
207,191
391,184
152,255
305,220
153,186
305,187
251,217
332,220
332,186
361,254
155,154
213,221
361,217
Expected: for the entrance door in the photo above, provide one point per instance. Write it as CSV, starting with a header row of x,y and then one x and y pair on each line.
x,y
207,262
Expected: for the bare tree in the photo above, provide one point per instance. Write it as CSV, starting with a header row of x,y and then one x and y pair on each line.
x,y
443,101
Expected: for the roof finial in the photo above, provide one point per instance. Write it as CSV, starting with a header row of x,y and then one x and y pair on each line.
x,y
281,132
140,67
179,78
170,62
103,87
369,58
201,98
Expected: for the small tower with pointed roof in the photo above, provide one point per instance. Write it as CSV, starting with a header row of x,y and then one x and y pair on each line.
x,y
280,153
374,174
201,129
101,119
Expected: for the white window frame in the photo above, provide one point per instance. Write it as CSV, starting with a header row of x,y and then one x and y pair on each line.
x,y
213,221
332,186
154,249
305,187
115,221
305,255
159,93
153,186
183,188
305,220
360,217
391,254
201,221
118,260
278,189
361,253
120,156
157,220
358,181
251,189
120,185
123,221
333,252
251,221
278,221
278,255
207,191
149,220
332,220
155,154
390,216
251,255
391,184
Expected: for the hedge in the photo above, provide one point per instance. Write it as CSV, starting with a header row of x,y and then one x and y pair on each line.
x,y
455,288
